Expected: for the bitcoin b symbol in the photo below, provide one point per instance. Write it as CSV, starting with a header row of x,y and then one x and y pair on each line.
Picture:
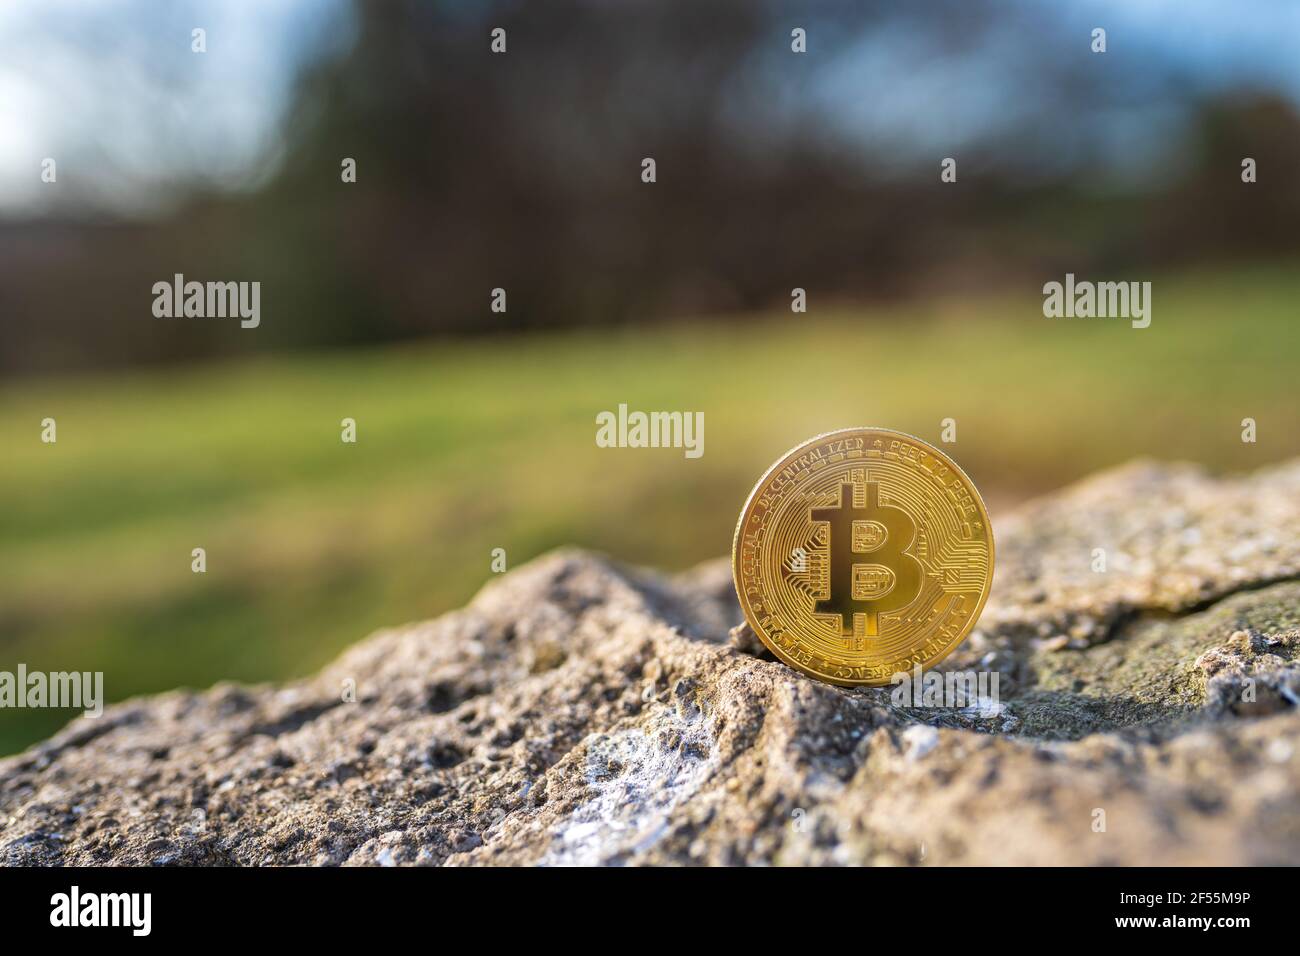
x,y
888,525
888,581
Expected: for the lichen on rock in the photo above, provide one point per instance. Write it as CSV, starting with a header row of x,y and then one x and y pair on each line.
x,y
579,712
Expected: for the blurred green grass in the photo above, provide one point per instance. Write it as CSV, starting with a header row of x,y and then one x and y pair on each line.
x,y
468,446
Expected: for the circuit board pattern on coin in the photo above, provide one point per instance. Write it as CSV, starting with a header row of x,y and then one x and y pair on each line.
x,y
863,553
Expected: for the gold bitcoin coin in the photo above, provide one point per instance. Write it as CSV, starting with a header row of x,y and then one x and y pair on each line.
x,y
863,553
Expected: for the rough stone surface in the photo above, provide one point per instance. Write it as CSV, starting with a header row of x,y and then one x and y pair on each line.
x,y
577,712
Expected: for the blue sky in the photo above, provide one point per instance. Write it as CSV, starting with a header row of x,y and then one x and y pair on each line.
x,y
110,89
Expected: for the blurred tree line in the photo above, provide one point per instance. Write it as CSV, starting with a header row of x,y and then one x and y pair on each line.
x,y
522,171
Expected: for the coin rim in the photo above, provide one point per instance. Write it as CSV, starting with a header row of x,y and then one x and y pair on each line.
x,y
779,463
